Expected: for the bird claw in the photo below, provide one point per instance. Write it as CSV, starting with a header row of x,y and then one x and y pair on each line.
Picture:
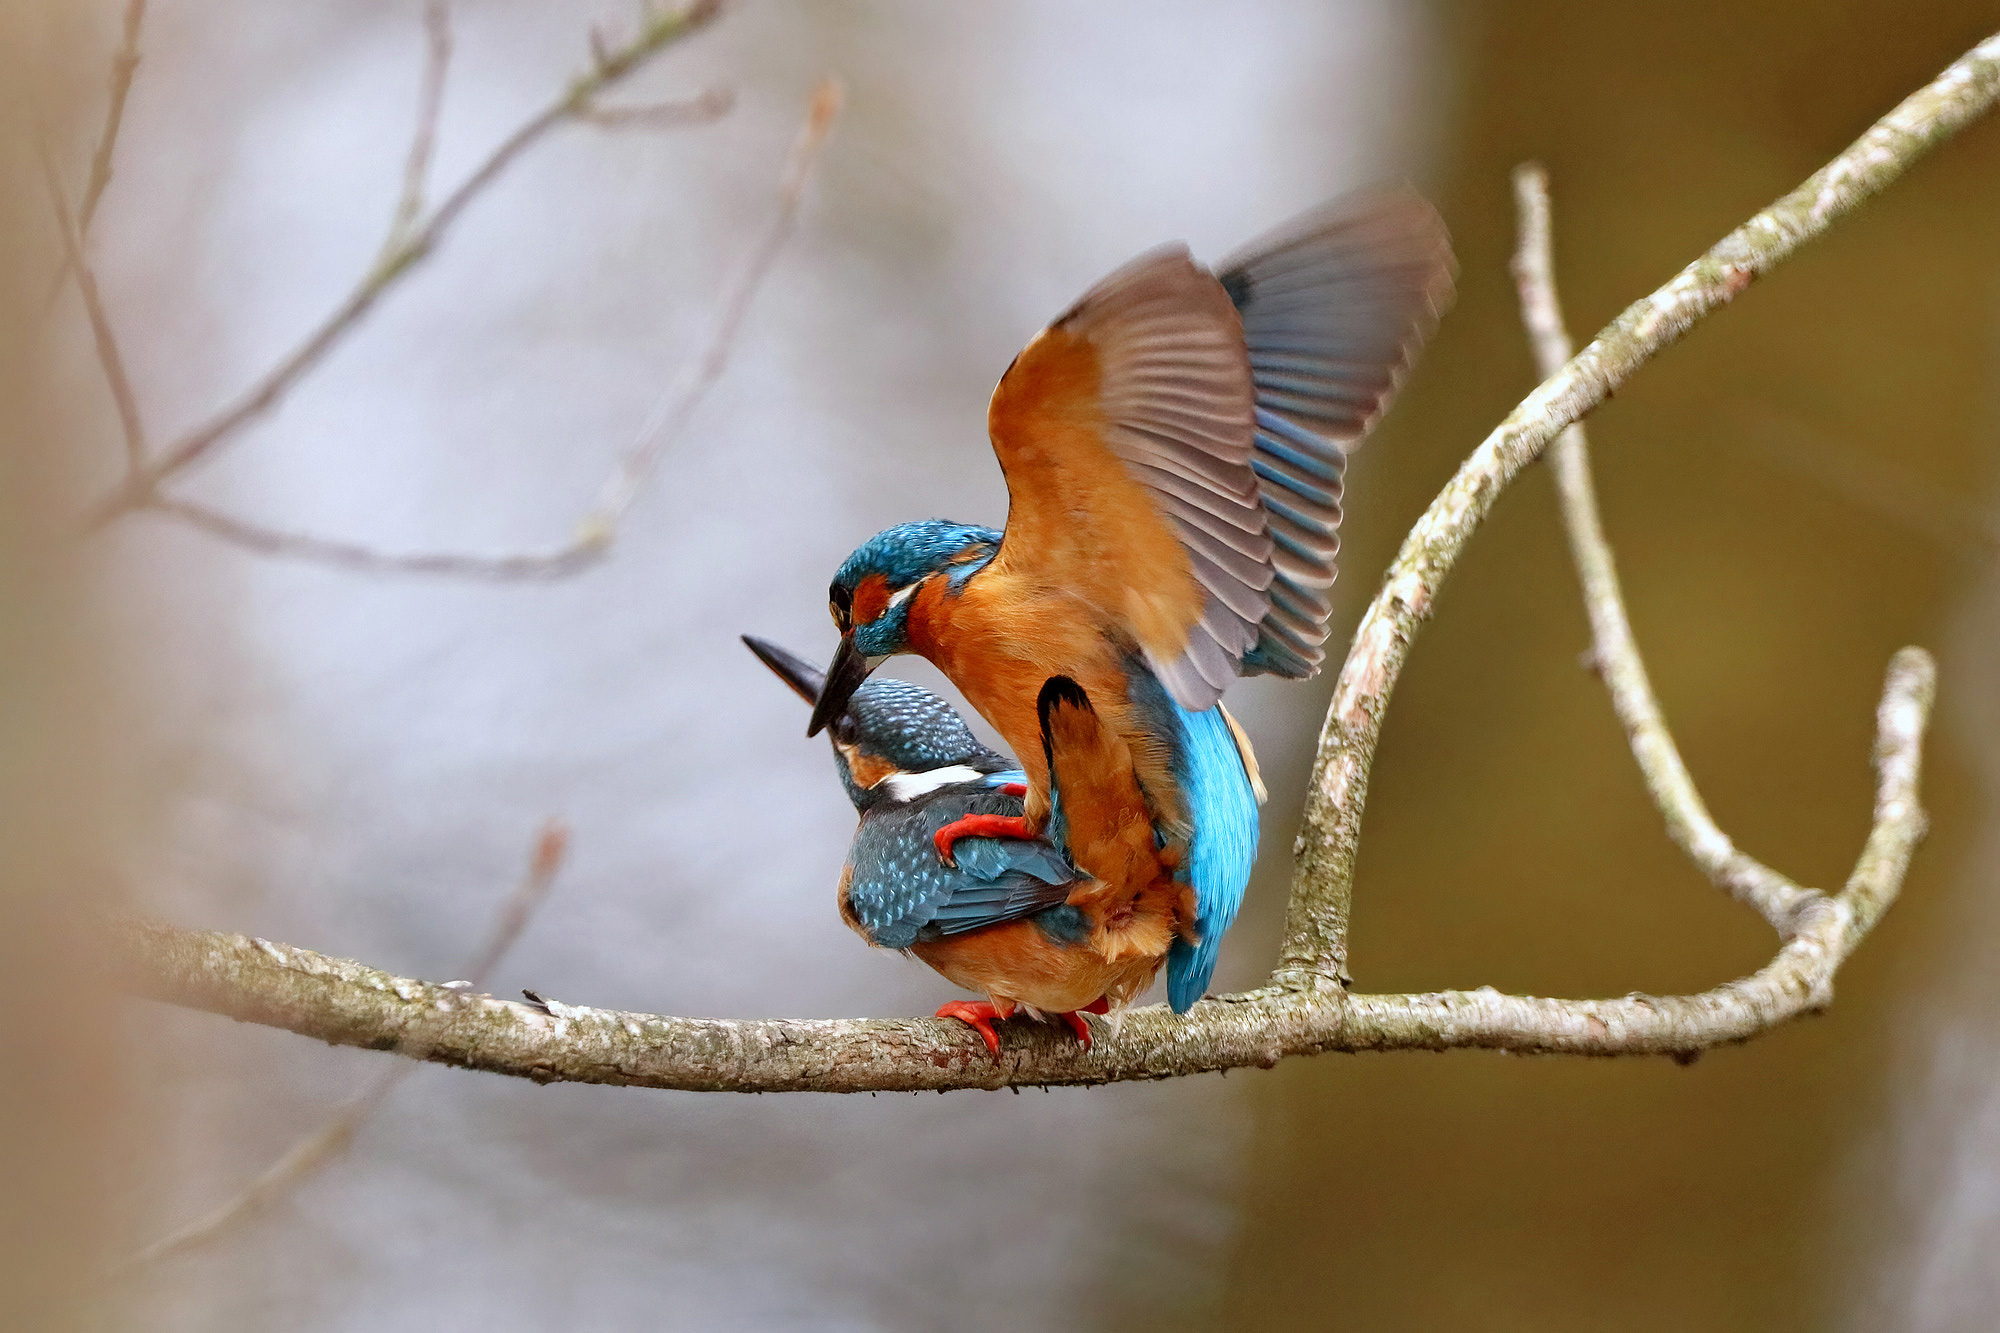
x,y
980,1017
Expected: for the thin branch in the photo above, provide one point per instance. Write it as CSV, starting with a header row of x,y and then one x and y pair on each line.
x,y
1304,1009
124,65
333,1138
345,1003
1614,650
131,425
609,67
663,425
423,141
1314,950
702,109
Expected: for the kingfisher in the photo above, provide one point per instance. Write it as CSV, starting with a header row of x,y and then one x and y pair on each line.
x,y
1010,917
1174,446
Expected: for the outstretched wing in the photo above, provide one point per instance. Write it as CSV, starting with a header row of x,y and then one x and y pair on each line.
x,y
1173,444
897,890
1124,430
1335,306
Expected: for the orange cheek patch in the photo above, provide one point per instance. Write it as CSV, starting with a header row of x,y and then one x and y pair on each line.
x,y
871,599
867,769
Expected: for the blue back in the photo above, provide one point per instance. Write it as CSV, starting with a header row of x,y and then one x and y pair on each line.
x,y
901,893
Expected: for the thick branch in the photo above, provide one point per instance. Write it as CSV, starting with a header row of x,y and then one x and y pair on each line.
x,y
327,1143
349,1004
1314,951
1614,651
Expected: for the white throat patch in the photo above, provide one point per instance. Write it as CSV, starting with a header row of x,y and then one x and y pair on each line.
x,y
909,786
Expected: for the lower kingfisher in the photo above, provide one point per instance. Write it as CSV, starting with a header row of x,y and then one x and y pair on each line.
x,y
1009,917
1174,446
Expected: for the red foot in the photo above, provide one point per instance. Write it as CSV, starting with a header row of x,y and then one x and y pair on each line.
x,y
980,1017
1079,1025
979,826
1019,789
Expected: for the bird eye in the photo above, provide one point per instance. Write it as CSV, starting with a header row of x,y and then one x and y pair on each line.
x,y
840,602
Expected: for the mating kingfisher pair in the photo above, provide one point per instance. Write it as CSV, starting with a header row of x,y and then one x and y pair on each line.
x,y
1173,446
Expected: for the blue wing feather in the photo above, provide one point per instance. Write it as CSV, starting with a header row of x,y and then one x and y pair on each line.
x,y
898,890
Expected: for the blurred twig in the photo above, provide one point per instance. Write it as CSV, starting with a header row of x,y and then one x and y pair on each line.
x,y
595,534
131,427
423,141
610,66
124,65
333,1138
697,110
1615,652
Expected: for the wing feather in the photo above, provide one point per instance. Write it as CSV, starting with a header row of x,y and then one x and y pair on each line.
x,y
1175,444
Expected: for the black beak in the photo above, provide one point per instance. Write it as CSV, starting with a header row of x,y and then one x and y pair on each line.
x,y
843,678
805,679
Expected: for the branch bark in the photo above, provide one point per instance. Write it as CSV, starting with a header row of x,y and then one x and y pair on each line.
x,y
347,1003
1314,952
1305,1009
1614,651
326,1144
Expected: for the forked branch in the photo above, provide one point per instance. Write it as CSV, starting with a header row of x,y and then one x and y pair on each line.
x,y
1304,1009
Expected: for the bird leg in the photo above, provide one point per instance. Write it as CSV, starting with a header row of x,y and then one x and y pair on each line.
x,y
980,1017
1077,1023
980,826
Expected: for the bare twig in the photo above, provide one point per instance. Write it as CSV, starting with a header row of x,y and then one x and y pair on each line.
x,y
701,109
124,65
423,141
1304,1009
657,31
1615,652
669,417
131,426
333,1138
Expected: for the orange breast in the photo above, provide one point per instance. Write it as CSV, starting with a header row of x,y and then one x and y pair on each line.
x,y
999,641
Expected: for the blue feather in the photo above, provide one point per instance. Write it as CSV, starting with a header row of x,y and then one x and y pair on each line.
x,y
1216,791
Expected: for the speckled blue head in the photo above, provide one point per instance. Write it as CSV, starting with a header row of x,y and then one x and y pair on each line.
x,y
889,727
870,596
869,593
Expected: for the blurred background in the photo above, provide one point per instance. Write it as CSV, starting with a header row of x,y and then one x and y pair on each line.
x,y
358,764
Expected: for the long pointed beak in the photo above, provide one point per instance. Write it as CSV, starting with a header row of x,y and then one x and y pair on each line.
x,y
850,667
806,680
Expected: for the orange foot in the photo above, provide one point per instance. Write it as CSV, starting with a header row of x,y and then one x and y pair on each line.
x,y
980,1016
979,826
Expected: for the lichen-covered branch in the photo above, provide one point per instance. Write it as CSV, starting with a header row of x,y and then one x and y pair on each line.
x,y
1614,651
1303,1010
1314,951
325,1144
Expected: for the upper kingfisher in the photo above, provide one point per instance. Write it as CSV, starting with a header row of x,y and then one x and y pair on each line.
x,y
1173,446
1011,918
